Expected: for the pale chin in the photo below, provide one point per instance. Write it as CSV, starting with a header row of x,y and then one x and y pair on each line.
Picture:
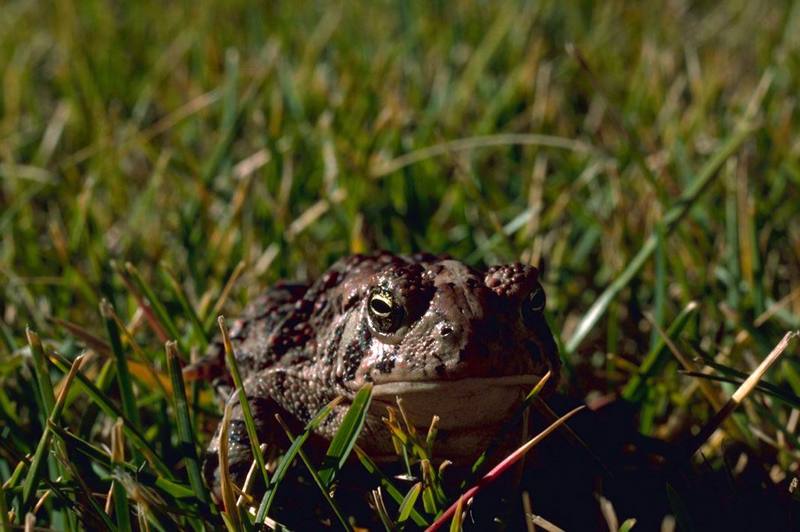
x,y
464,406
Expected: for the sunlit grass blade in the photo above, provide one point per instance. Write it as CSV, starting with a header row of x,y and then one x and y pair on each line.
x,y
383,168
429,502
160,510
245,499
139,365
102,382
252,433
40,456
11,485
456,523
408,503
345,438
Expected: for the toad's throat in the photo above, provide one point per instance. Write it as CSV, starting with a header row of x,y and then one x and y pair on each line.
x,y
460,404
447,387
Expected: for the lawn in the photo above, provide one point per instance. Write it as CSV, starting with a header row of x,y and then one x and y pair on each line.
x,y
161,163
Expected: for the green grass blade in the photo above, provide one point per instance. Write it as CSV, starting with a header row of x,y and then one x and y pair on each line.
x,y
158,308
230,112
223,295
504,430
46,395
112,411
7,337
380,509
5,522
123,374
660,288
103,382
144,304
386,483
39,456
184,425
230,513
670,220
679,509
188,309
76,444
345,438
40,371
408,503
455,524
288,457
318,481
738,378
657,355
252,433
429,501
122,509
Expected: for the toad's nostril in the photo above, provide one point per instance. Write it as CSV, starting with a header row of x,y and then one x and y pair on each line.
x,y
445,330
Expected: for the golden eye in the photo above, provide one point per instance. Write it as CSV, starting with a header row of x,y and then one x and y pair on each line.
x,y
381,305
386,315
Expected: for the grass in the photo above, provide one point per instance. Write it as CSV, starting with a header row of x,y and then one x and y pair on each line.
x,y
165,163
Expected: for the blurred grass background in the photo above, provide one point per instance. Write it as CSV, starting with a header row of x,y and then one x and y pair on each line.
x,y
233,144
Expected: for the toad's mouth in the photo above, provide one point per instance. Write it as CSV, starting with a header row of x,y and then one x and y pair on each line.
x,y
460,404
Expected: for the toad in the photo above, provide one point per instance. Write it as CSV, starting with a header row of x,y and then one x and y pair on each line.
x,y
449,339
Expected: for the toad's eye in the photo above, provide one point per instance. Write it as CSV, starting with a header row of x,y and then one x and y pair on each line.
x,y
386,314
534,304
381,305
